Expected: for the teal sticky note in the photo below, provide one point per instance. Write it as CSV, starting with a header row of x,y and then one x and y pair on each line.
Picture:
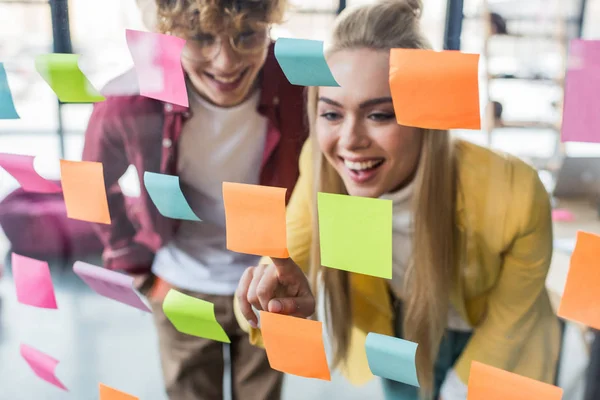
x,y
166,194
356,234
303,62
7,107
392,358
61,72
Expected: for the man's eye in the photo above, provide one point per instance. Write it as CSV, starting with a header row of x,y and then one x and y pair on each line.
x,y
204,39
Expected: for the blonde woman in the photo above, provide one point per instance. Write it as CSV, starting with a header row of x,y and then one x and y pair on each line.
x,y
472,229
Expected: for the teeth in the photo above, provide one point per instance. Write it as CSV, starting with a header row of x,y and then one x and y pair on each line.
x,y
361,166
227,80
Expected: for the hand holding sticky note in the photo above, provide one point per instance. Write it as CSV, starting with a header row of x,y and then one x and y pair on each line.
x,y
356,234
84,191
108,393
294,345
42,365
435,90
193,316
392,358
61,72
581,298
22,169
111,284
33,282
157,60
166,194
489,383
7,106
255,219
303,62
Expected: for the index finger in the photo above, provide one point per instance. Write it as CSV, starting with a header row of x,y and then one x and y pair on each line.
x,y
242,297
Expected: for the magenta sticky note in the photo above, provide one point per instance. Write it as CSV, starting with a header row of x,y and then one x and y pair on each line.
x,y
111,284
21,168
42,365
581,115
157,61
562,215
33,282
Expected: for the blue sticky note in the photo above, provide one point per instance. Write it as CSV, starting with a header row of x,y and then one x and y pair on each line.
x,y
392,358
303,62
166,194
7,107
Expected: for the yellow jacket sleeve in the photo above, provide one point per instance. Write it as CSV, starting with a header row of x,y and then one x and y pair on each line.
x,y
519,330
299,230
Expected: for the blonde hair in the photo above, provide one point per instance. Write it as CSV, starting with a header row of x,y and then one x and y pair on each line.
x,y
384,25
188,17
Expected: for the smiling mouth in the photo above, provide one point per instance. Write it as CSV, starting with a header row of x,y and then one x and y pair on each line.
x,y
361,166
231,80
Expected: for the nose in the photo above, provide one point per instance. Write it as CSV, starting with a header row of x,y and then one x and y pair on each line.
x,y
353,135
227,58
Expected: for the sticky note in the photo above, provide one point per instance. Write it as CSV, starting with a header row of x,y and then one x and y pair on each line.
x,y
193,316
581,296
157,61
108,393
21,168
7,106
581,119
166,194
61,72
111,284
42,365
562,215
33,282
84,191
392,358
435,90
356,234
303,62
255,219
294,345
489,383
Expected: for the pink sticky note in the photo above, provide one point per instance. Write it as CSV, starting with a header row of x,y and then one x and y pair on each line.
x,y
111,284
33,282
562,215
21,168
157,60
42,364
581,119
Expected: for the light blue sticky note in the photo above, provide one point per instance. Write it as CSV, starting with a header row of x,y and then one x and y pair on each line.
x,y
7,107
303,62
166,194
392,358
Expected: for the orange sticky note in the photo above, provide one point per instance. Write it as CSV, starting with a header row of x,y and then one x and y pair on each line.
x,y
255,219
581,299
294,345
108,393
84,191
435,90
489,383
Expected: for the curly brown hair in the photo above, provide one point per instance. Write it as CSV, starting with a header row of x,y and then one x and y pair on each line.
x,y
187,17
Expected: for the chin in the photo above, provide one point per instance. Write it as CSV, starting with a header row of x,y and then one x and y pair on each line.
x,y
362,191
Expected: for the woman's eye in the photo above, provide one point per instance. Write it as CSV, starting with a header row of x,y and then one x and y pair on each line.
x,y
330,116
381,116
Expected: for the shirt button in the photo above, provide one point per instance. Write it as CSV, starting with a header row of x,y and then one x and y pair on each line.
x,y
167,143
168,107
186,114
276,100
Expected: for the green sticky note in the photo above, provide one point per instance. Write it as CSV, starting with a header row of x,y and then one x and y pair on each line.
x,y
356,234
62,73
193,316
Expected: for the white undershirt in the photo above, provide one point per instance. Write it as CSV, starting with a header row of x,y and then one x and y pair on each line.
x,y
216,145
402,238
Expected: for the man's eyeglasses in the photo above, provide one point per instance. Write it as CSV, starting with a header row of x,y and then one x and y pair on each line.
x,y
207,46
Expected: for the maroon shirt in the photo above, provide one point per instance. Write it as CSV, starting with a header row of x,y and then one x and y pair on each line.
x,y
136,130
